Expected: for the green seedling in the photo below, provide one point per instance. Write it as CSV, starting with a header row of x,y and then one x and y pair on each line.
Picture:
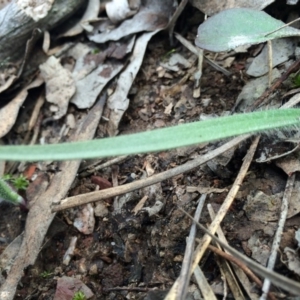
x,y
168,54
7,177
20,183
79,296
95,51
46,274
295,80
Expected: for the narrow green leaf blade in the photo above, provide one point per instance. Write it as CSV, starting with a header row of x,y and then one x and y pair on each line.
x,y
240,26
157,140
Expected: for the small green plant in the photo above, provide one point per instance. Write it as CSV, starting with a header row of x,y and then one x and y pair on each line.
x,y
168,54
46,274
295,80
95,51
20,183
7,177
79,296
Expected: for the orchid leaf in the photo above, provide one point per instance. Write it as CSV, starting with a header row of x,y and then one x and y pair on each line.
x,y
240,26
157,140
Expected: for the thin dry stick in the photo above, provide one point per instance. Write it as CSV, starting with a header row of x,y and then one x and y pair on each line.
x,y
292,101
276,242
198,75
175,16
231,278
93,168
112,192
226,278
206,290
277,279
196,51
36,111
222,212
270,62
130,289
291,69
285,25
226,204
239,273
241,265
36,131
184,277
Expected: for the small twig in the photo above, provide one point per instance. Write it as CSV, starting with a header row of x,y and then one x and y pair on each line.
x,y
175,17
241,265
276,242
130,289
129,187
293,68
227,279
206,289
196,51
292,101
285,25
222,212
277,279
184,277
227,203
247,285
270,63
92,168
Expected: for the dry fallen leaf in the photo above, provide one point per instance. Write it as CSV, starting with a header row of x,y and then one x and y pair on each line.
x,y
89,87
60,85
91,13
118,101
153,15
119,10
211,7
9,113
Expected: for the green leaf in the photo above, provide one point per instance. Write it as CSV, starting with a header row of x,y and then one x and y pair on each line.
x,y
20,183
240,26
157,140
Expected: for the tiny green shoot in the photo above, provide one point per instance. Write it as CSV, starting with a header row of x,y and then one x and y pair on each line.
x,y
46,274
7,177
95,51
168,54
79,296
20,183
295,80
